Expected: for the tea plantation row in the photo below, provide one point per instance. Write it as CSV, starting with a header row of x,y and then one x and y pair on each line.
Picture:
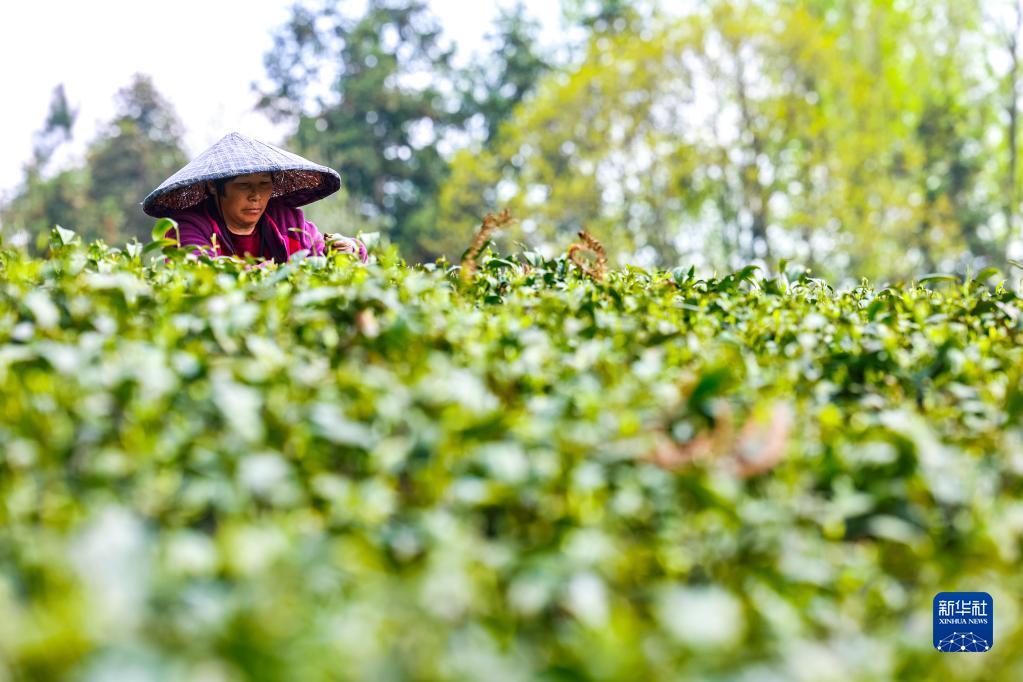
x,y
330,471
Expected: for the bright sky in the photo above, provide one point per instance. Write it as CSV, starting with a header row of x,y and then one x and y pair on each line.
x,y
202,55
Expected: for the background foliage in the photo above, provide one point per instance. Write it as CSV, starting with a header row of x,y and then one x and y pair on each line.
x,y
874,139
102,198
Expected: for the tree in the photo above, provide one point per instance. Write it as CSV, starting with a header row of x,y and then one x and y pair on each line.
x,y
845,134
930,123
1005,21
577,155
607,16
42,202
390,105
57,129
500,81
138,150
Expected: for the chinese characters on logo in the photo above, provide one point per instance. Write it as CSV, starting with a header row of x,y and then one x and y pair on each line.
x,y
962,607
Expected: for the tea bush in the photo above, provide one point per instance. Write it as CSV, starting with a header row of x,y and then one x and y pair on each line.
x,y
330,471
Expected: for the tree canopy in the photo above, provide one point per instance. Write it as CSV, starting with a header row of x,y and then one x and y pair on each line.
x,y
100,196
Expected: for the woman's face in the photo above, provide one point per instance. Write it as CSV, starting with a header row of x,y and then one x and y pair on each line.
x,y
245,198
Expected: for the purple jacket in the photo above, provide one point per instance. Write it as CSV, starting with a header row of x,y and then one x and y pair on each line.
x,y
284,231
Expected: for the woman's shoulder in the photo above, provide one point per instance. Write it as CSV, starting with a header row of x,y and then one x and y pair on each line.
x,y
193,215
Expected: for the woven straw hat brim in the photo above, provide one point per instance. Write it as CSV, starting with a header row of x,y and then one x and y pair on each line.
x,y
297,181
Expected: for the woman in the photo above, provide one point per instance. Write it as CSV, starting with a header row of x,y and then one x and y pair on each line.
x,y
240,197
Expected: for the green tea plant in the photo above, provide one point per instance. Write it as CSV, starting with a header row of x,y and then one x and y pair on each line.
x,y
328,471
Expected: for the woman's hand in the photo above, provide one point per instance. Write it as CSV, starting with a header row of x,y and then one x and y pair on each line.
x,y
339,242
